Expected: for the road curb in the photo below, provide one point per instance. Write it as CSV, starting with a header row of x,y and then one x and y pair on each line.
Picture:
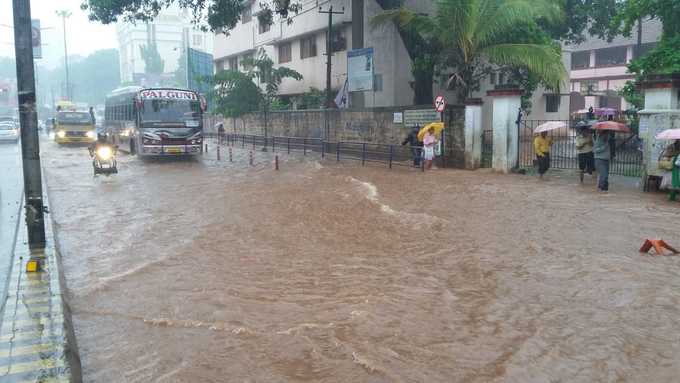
x,y
37,341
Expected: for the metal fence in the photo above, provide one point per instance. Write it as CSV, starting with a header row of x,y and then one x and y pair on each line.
x,y
388,154
487,149
626,154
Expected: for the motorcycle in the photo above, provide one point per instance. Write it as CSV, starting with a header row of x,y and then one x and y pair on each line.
x,y
104,159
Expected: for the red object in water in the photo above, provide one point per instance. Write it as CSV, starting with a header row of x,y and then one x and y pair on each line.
x,y
658,245
613,126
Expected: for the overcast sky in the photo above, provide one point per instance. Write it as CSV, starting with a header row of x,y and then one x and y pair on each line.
x,y
83,37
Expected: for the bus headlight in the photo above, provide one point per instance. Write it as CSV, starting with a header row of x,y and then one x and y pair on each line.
x,y
90,134
196,141
104,153
61,134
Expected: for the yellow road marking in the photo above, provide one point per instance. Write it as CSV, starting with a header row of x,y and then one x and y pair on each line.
x,y
44,321
31,334
39,365
28,350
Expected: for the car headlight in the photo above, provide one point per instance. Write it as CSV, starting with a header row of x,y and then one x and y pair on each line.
x,y
104,153
61,134
90,134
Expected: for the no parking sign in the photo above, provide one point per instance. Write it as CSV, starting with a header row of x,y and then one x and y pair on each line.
x,y
440,104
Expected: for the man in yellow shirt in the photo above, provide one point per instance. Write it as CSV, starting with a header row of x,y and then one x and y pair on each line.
x,y
542,148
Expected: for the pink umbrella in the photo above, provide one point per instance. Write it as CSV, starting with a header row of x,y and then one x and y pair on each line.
x,y
670,134
550,125
612,126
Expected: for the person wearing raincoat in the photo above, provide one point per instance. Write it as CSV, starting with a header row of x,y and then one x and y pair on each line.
x,y
542,145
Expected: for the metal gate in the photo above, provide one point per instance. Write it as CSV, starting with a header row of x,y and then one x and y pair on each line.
x,y
487,149
626,156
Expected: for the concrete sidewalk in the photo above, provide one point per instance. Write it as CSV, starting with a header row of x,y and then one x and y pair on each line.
x,y
36,337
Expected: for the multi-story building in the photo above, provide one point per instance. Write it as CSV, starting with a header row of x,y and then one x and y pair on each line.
x,y
598,67
301,45
171,31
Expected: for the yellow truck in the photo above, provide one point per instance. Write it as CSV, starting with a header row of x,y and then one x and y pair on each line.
x,y
74,127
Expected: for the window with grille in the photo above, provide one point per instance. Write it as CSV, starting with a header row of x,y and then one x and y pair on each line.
x,y
610,56
264,28
338,41
552,103
588,87
285,53
580,60
247,14
233,63
308,47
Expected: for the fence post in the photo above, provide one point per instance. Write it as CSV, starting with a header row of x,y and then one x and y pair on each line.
x,y
206,148
273,143
251,158
276,162
337,151
230,155
422,161
323,148
363,154
243,140
288,145
304,146
218,153
391,154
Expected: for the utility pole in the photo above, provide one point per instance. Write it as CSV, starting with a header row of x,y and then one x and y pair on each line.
x,y
329,54
65,14
30,149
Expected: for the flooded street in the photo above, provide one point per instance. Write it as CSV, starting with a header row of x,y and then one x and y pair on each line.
x,y
206,271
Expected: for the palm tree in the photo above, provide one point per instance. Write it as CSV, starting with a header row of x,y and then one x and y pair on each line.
x,y
478,36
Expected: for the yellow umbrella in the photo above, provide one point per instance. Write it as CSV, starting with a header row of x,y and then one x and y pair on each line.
x,y
438,127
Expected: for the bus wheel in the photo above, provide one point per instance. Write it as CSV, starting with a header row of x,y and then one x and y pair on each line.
x,y
133,148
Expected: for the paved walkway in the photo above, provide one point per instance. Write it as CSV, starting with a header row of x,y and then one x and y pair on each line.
x,y
34,346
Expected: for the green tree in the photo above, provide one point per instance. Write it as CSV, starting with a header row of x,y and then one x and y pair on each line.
x,y
235,93
262,68
213,15
313,99
473,36
153,63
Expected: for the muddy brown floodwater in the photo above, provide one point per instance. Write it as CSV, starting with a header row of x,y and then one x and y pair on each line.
x,y
206,271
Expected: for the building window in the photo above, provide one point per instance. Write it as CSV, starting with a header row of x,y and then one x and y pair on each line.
x,y
264,28
501,78
610,56
285,53
308,47
552,103
378,82
247,14
245,59
338,41
588,87
580,60
233,63
492,78
645,48
198,40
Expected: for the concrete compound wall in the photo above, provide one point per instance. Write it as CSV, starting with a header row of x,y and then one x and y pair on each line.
x,y
376,125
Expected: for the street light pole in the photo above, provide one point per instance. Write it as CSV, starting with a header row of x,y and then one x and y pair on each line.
x,y
30,149
64,14
329,54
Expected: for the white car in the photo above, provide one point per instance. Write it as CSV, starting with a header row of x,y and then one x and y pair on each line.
x,y
9,132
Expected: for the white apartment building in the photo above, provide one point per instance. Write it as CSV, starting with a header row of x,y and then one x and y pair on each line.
x,y
172,32
598,67
301,45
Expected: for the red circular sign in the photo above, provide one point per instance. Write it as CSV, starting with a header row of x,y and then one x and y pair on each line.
x,y
439,103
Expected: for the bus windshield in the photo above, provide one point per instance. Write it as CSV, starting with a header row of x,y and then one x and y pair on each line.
x,y
74,118
169,111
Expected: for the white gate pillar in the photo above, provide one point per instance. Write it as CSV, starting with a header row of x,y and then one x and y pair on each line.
x,y
506,105
473,133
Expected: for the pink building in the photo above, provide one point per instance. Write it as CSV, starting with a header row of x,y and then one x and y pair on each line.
x,y
598,67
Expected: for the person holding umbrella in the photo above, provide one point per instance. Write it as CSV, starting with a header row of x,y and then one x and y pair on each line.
x,y
429,135
602,150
